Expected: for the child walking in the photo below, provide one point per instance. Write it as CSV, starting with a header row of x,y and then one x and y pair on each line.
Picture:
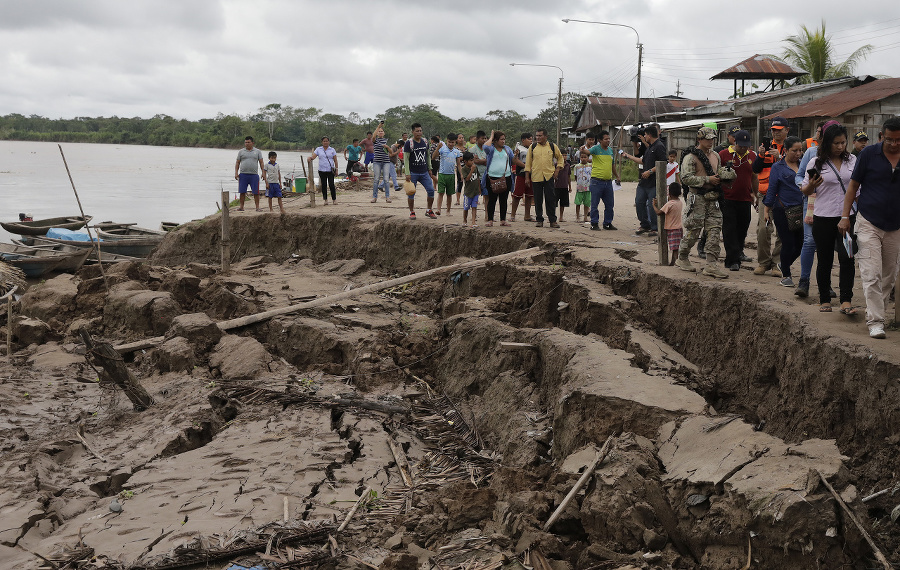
x,y
471,187
563,187
583,187
672,209
273,181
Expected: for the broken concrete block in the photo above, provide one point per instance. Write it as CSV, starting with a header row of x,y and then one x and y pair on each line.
x,y
200,330
141,310
31,331
184,286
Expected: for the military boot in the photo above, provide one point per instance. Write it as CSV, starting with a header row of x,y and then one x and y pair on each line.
x,y
712,268
684,263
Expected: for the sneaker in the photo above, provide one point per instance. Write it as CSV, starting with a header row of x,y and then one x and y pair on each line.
x,y
554,225
684,264
652,233
734,267
802,288
745,259
431,214
412,215
539,224
595,226
388,200
701,255
609,227
877,331
776,271
760,270
786,282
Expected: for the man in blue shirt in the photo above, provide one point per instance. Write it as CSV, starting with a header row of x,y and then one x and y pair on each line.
x,y
877,179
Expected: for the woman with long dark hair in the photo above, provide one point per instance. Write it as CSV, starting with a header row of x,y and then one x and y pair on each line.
x,y
327,167
783,201
830,179
500,159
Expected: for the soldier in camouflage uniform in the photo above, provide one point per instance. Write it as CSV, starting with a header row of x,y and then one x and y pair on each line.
x,y
702,172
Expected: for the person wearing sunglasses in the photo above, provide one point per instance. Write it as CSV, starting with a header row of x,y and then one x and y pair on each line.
x,y
875,186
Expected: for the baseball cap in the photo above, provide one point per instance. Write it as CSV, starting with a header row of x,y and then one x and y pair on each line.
x,y
861,135
742,138
707,133
733,130
779,123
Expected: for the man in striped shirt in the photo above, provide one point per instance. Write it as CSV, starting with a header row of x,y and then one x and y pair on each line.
x,y
381,165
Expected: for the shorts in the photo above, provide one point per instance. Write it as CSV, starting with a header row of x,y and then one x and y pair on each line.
x,y
370,158
471,203
674,238
248,181
425,179
435,166
446,184
562,197
274,190
583,198
521,189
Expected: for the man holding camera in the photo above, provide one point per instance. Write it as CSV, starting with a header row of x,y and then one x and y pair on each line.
x,y
646,188
768,154
703,173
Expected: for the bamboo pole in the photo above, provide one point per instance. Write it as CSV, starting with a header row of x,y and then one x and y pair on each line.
x,y
226,233
400,459
362,499
604,451
311,185
96,243
266,315
661,197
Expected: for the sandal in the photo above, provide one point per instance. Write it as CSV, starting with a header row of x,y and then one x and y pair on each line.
x,y
849,311
511,219
826,308
529,219
504,223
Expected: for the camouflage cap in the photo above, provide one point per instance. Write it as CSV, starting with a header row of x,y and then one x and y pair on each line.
x,y
707,133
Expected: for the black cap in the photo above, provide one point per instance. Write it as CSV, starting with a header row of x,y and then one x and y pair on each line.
x,y
734,130
860,136
779,123
742,138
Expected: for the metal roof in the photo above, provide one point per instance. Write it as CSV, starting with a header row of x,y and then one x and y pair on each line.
x,y
615,110
837,104
760,67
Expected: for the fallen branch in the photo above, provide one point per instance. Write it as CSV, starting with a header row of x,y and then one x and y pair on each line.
x,y
859,526
363,498
114,370
400,459
87,446
372,288
880,493
580,483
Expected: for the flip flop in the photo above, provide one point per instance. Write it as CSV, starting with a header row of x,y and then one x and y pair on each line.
x,y
826,309
849,311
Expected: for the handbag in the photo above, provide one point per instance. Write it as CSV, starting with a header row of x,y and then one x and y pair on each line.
x,y
794,215
498,185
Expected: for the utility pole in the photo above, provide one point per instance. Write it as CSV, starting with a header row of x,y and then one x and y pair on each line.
x,y
637,97
678,88
559,111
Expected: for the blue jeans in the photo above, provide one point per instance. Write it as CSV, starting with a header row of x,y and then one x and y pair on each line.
x,y
808,251
643,204
381,170
426,181
392,172
601,190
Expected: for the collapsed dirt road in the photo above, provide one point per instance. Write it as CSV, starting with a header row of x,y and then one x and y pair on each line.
x,y
446,419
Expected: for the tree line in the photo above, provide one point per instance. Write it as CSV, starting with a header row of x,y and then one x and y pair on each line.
x,y
277,126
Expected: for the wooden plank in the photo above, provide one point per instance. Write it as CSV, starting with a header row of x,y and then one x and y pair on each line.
x,y
511,346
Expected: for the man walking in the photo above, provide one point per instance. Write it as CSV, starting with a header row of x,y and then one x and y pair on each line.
x,y
541,167
415,158
246,173
703,173
646,188
737,197
603,170
877,179
766,157
368,145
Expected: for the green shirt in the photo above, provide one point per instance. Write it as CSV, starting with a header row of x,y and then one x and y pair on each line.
x,y
471,185
602,162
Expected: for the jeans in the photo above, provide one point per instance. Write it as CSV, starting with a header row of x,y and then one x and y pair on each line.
x,y
735,224
425,179
326,179
381,170
544,198
643,204
791,241
601,190
826,233
503,197
808,252
392,173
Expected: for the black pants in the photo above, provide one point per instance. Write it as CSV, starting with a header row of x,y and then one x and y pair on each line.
x,y
544,198
350,164
503,197
326,179
825,232
735,224
791,241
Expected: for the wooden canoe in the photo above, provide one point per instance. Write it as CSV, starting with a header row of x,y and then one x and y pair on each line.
x,y
131,233
91,258
129,247
40,227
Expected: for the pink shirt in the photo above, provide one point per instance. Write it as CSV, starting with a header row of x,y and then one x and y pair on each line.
x,y
672,210
830,193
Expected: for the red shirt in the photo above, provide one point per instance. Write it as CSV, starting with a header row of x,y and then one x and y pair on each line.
x,y
741,188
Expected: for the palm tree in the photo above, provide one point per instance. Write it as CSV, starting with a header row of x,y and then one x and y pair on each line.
x,y
813,52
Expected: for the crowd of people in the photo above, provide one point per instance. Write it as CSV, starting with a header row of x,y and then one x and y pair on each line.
x,y
816,198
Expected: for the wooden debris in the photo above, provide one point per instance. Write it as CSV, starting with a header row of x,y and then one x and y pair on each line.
x,y
511,346
878,555
363,498
877,494
114,370
400,459
91,450
286,510
589,470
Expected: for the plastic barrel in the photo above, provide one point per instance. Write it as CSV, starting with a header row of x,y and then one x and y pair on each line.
x,y
300,185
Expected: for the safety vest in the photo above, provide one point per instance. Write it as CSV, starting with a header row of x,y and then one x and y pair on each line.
x,y
811,142
764,175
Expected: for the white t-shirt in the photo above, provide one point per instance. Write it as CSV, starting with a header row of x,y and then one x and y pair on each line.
x,y
273,173
672,169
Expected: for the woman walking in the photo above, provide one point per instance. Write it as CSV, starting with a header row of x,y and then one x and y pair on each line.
x,y
784,206
497,180
327,167
830,178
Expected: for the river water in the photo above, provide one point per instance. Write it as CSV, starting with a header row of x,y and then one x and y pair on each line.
x,y
123,183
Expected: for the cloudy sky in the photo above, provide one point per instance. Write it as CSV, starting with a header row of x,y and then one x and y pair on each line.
x,y
196,58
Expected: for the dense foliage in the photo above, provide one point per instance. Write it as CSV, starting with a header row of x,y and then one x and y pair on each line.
x,y
275,126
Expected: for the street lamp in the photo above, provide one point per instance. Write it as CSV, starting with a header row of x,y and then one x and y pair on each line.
x,y
558,94
640,46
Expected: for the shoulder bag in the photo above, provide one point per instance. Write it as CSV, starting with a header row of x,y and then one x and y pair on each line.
x,y
838,241
498,185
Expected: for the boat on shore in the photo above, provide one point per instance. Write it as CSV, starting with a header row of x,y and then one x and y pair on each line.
x,y
128,247
129,232
105,257
40,227
36,262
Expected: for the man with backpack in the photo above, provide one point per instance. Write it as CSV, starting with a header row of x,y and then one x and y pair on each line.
x,y
541,168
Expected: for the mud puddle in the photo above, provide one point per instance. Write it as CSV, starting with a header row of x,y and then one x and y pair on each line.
x,y
454,414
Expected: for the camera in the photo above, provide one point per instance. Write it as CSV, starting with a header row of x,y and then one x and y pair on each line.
x,y
636,133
